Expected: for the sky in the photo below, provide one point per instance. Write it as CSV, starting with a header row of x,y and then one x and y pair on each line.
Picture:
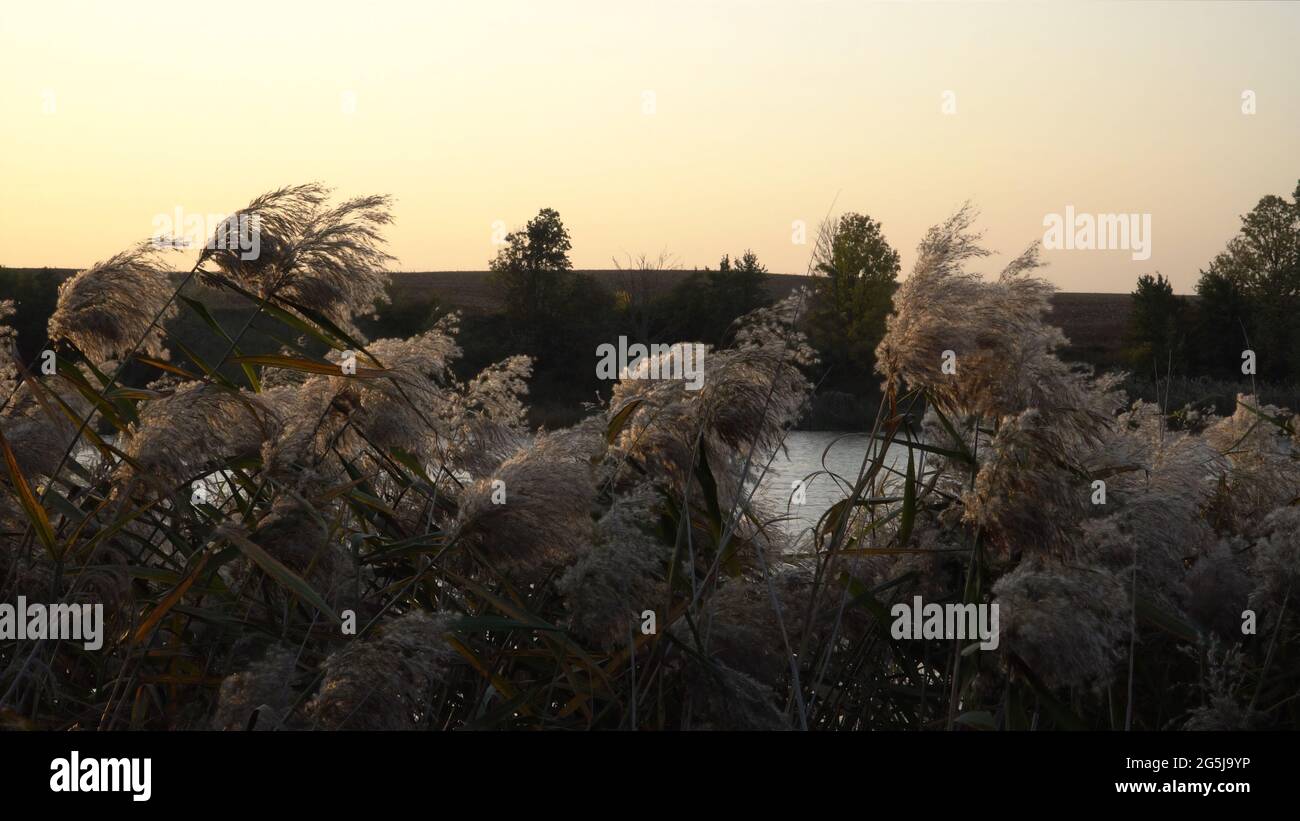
x,y
694,128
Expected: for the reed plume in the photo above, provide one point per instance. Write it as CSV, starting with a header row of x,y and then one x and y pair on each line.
x,y
328,260
384,682
108,310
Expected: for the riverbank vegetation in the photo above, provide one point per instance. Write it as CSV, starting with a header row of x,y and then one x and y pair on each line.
x,y
306,528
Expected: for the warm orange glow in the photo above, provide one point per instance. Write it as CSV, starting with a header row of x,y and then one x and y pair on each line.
x,y
470,113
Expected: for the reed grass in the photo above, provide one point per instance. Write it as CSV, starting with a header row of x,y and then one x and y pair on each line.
x,y
309,546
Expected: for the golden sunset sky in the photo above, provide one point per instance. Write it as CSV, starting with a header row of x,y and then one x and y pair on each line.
x,y
763,113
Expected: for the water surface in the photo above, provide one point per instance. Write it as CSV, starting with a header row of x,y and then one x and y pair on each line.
x,y
827,463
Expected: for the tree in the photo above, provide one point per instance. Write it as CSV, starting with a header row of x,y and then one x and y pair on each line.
x,y
535,274
639,284
702,307
556,315
738,287
1156,325
1264,258
857,273
747,264
1222,317
1251,290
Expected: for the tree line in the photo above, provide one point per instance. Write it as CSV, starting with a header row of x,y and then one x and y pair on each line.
x,y
559,316
1247,299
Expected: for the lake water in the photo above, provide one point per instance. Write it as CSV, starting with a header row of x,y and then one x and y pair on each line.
x,y
812,457
826,462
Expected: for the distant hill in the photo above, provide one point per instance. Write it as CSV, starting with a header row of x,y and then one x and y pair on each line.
x,y
1095,324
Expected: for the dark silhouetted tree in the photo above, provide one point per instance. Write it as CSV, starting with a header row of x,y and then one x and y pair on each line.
x,y
1220,326
1156,327
639,286
554,314
702,307
857,273
535,275
1252,290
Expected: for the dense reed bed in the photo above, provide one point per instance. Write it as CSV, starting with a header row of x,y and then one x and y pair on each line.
x,y
363,541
